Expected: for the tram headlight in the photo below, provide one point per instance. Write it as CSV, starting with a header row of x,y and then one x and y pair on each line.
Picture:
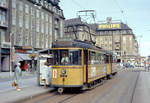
x,y
63,71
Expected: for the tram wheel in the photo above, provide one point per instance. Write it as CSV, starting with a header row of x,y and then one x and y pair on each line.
x,y
60,90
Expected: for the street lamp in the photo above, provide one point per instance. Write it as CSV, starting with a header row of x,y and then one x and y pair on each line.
x,y
0,51
12,52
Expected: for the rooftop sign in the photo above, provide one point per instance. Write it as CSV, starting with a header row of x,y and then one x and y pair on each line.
x,y
109,26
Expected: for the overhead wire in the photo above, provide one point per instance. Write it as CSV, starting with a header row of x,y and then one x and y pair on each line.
x,y
121,10
76,3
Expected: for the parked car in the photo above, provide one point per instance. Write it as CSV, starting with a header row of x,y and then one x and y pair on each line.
x,y
128,65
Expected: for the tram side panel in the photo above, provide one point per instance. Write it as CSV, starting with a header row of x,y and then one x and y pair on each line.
x,y
96,72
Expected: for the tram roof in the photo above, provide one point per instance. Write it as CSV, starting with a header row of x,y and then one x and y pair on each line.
x,y
66,43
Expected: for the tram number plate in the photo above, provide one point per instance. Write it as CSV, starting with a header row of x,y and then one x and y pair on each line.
x,y
63,75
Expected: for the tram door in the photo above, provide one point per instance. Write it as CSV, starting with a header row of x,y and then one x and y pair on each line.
x,y
86,64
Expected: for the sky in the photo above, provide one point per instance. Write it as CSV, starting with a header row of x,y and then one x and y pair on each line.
x,y
136,14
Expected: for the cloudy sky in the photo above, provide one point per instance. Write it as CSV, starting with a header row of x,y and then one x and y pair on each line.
x,y
136,13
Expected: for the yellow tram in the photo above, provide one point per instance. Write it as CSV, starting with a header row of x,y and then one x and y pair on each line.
x,y
78,64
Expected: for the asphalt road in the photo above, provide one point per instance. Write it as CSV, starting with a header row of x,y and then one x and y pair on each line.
x,y
119,89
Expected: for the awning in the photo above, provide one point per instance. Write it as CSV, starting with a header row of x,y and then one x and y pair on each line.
x,y
21,57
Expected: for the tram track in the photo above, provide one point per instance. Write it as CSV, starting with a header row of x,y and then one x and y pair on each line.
x,y
120,89
52,97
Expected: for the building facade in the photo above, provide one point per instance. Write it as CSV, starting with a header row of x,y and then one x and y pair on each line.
x,y
113,36
29,24
119,38
77,29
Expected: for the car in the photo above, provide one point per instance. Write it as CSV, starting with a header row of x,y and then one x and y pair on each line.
x,y
128,65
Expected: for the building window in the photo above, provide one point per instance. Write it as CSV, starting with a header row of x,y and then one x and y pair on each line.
x,y
26,8
61,28
37,26
46,28
13,20
32,11
27,22
20,21
56,34
20,6
3,17
14,4
3,34
46,17
50,25
42,27
42,15
37,13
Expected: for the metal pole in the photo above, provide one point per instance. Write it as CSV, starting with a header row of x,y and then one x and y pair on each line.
x,y
0,52
33,44
10,54
38,68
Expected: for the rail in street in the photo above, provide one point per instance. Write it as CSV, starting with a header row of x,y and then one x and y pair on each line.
x,y
123,88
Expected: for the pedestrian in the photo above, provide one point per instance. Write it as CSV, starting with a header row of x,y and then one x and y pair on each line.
x,y
28,67
45,73
17,76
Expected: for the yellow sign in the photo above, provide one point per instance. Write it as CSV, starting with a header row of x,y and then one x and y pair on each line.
x,y
109,26
32,55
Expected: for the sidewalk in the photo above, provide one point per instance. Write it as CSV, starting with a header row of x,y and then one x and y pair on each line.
x,y
29,88
25,93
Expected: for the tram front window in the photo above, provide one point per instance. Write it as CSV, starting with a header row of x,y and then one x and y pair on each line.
x,y
67,57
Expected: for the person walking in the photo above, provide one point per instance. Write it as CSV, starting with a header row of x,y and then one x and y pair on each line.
x,y
17,76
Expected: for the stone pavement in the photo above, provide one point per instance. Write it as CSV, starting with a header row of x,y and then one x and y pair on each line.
x,y
29,87
14,96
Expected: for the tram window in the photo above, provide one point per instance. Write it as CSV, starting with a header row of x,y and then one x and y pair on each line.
x,y
56,57
106,59
67,57
96,58
75,57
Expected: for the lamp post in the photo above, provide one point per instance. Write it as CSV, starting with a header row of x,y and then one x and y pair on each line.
x,y
33,43
12,52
